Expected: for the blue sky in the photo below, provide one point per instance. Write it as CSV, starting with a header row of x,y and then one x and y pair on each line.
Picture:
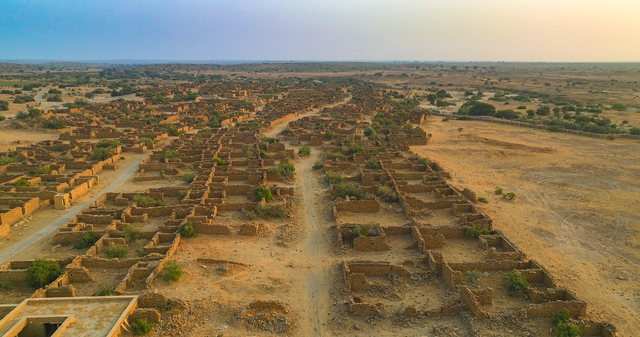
x,y
456,30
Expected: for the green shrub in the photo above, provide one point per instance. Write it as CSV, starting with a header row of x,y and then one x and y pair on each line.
x,y
132,232
108,143
335,178
219,161
22,183
564,329
611,136
286,170
510,195
386,193
338,155
270,140
460,129
41,170
425,161
348,189
105,289
54,124
101,153
141,326
498,191
169,154
145,200
514,283
287,132
475,231
473,276
188,177
7,160
43,272
304,151
171,271
263,192
369,131
182,194
354,149
561,316
86,240
116,251
483,200
187,230
372,164
5,285
329,135
268,212
359,231
318,165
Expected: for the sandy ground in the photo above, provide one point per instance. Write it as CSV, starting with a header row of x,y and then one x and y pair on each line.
x,y
576,210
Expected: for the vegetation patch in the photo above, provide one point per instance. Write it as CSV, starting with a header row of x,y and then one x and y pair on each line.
x,y
43,272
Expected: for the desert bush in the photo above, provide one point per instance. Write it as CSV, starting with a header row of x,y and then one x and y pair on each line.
x,y
475,231
5,285
498,190
338,155
268,212
372,164
188,177
116,251
354,149
286,170
270,140
348,189
43,272
287,132
318,165
510,195
635,131
359,231
425,161
611,136
473,276
101,153
304,151
146,201
171,271
141,326
41,170
460,129
335,178
329,135
54,124
263,192
219,161
514,283
108,143
169,154
7,160
182,194
187,230
86,240
386,193
483,200
105,289
132,232
22,183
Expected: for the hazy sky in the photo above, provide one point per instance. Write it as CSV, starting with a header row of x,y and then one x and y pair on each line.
x,y
456,30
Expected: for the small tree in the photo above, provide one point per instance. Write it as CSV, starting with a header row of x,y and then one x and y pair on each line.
x,y
116,251
132,232
86,240
304,151
263,192
43,272
141,326
219,161
335,178
372,164
22,183
514,283
475,231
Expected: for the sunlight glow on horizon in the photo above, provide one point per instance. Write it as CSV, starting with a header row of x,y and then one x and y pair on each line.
x,y
450,30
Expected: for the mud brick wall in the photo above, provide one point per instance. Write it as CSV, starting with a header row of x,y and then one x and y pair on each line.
x,y
418,188
363,309
471,301
372,243
358,282
239,189
590,329
153,211
435,262
79,191
108,263
549,309
358,206
375,268
11,216
433,241
14,275
538,276
237,206
212,229
31,206
95,219
397,230
62,291
447,232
